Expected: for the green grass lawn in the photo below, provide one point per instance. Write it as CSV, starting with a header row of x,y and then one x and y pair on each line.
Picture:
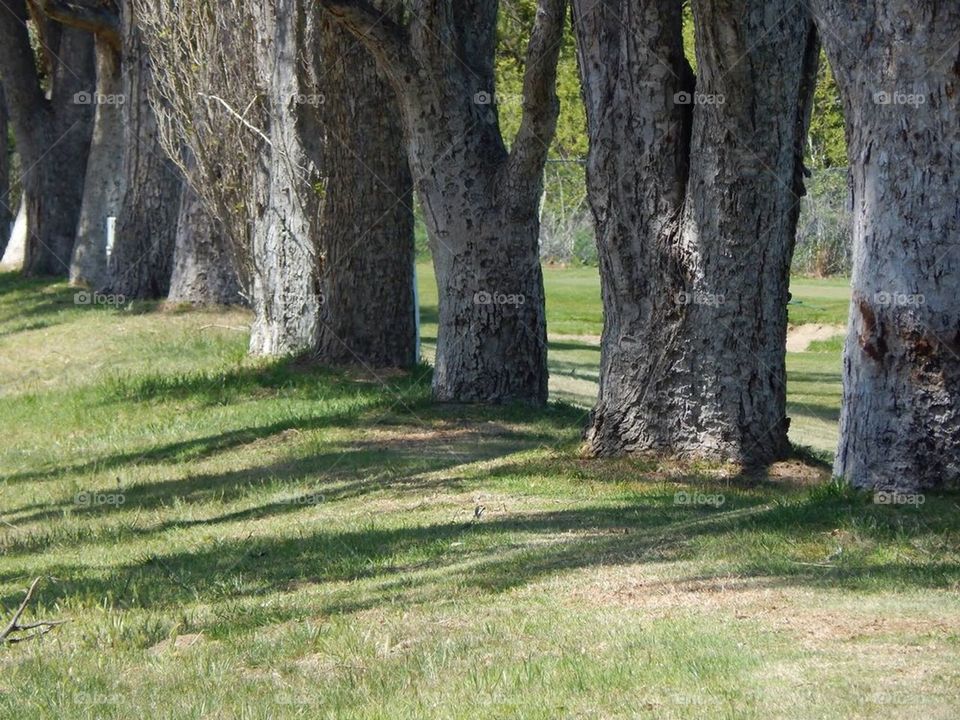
x,y
575,322
237,539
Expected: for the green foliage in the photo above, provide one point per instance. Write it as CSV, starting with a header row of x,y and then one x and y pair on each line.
x,y
828,143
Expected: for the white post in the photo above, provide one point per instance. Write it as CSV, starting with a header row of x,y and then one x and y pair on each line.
x,y
111,234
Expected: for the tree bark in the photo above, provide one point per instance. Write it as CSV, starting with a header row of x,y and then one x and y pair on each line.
x,y
696,193
204,272
103,188
141,263
366,238
6,212
53,135
481,201
898,69
285,289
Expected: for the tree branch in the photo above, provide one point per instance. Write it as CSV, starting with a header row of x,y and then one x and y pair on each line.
x,y
101,17
41,626
541,108
385,38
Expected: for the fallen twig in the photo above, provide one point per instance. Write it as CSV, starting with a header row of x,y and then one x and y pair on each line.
x,y
7,635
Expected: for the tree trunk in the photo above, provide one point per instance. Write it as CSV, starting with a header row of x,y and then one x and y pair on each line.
x,y
103,188
696,227
368,315
142,259
898,69
53,136
481,202
285,290
6,212
203,267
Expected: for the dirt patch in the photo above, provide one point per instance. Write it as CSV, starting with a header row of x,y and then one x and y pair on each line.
x,y
587,339
798,612
180,642
799,337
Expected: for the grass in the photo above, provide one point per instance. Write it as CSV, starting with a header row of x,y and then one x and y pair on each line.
x,y
239,539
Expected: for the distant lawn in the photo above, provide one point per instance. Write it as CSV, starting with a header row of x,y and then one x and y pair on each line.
x,y
575,322
231,538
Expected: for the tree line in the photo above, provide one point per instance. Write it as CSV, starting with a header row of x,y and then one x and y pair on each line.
x,y
272,153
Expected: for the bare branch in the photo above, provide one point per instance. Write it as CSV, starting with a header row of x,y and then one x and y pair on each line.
x,y
101,17
383,36
7,635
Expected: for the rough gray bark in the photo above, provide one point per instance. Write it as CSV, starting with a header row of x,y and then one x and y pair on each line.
x,y
142,259
366,229
481,201
6,212
696,226
898,68
204,272
103,188
53,135
285,291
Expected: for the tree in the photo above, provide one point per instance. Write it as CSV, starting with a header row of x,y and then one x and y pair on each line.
x,y
52,133
298,153
141,263
6,212
104,183
481,201
897,66
695,189
204,272
366,238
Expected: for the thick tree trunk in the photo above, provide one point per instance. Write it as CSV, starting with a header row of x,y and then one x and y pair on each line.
x,y
481,202
103,188
695,281
366,231
53,136
142,259
204,272
6,212
285,290
898,69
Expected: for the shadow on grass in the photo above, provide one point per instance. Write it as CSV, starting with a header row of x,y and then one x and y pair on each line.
x,y
412,563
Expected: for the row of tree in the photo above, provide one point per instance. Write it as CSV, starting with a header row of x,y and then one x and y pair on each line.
x,y
271,150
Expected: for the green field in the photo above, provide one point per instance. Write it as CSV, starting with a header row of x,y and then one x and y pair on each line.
x,y
238,539
575,322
